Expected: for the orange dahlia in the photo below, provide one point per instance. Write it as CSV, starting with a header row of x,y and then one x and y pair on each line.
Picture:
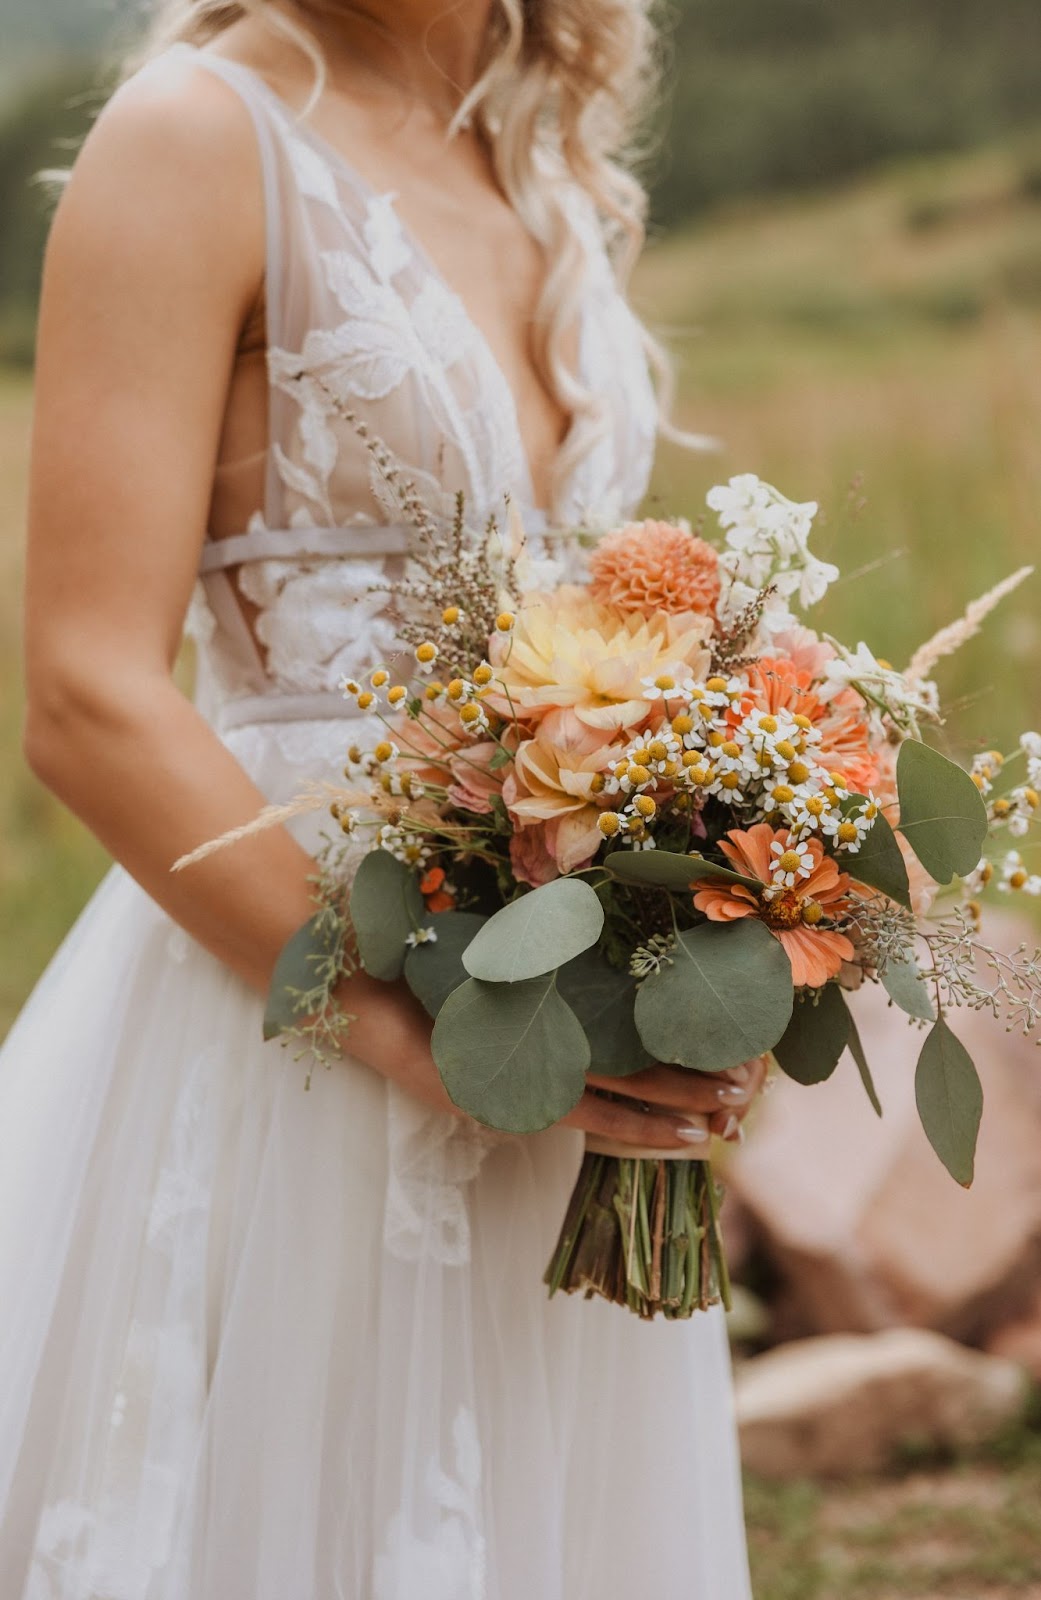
x,y
794,916
655,566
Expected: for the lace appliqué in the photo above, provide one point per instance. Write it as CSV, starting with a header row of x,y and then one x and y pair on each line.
x,y
432,1157
450,1564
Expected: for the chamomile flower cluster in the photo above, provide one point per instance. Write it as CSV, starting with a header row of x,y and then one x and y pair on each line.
x,y
1016,876
717,740
1016,808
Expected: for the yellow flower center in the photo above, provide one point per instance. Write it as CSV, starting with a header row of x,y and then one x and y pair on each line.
x,y
645,805
682,724
783,911
450,616
1017,879
798,771
716,685
456,689
1002,807
504,621
426,653
379,678
783,794
365,700
812,913
383,751
786,750
469,714
805,723
637,775
483,674
658,751
731,749
816,806
768,724
397,694
609,823
665,682
716,738
789,861
730,780
847,833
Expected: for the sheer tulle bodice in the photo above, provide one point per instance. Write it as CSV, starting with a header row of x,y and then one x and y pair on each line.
x,y
359,319
263,1344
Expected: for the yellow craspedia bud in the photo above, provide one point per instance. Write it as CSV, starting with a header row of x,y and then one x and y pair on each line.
x,y
450,616
469,714
638,775
798,771
786,750
784,794
731,780
504,621
805,723
596,783
396,694
433,691
716,685
731,749
365,700
379,678
812,913
383,751
682,724
457,689
846,833
1002,807
658,750
768,724
426,653
609,823
644,805
1017,879
483,674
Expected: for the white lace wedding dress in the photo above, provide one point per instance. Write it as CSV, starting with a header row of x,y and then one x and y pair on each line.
x,y
263,1344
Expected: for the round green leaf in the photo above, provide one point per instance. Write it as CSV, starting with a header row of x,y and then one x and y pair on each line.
x,y
950,1101
604,1001
903,983
386,906
725,997
432,971
669,869
942,814
296,972
536,933
878,862
512,1056
816,1037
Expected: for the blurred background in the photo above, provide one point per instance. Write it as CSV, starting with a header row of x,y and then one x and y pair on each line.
x,y
846,259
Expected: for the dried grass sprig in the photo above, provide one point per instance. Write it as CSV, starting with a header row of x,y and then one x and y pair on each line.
x,y
315,797
955,634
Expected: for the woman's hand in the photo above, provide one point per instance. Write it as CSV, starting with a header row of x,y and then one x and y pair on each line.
x,y
663,1108
670,1108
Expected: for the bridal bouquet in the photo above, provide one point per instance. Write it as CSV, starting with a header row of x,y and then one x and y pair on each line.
x,y
655,817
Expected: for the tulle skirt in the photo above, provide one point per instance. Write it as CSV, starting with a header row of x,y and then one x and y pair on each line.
x,y
259,1342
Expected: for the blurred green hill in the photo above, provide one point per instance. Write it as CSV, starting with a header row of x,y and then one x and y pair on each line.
x,y
764,95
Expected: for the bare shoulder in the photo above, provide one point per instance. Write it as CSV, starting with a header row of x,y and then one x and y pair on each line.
x,y
173,158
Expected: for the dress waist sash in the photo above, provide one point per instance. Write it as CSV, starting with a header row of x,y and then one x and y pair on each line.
x,y
253,709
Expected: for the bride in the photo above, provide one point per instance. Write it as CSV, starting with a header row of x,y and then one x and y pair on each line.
x,y
225,1374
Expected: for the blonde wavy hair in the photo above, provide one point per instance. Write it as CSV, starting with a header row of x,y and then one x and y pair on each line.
x,y
563,79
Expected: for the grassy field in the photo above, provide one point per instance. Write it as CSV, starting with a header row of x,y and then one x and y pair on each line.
x,y
878,349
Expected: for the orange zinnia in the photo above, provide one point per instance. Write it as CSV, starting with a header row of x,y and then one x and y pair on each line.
x,y
792,915
779,685
432,888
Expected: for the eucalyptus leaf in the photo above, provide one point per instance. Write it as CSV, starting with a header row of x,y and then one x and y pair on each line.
x,y
816,1037
386,906
669,869
856,1050
296,971
950,1100
942,814
878,862
536,933
725,996
513,1056
604,1001
904,985
433,970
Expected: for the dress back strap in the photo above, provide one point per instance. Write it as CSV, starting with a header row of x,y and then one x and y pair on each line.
x,y
286,544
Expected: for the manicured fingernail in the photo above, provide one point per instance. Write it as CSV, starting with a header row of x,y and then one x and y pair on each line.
x,y
740,1074
732,1095
733,1129
692,1134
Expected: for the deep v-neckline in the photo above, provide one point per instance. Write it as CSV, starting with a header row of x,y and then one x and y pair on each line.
x,y
334,157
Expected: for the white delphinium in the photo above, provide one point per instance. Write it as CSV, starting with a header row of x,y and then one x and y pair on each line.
x,y
767,545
